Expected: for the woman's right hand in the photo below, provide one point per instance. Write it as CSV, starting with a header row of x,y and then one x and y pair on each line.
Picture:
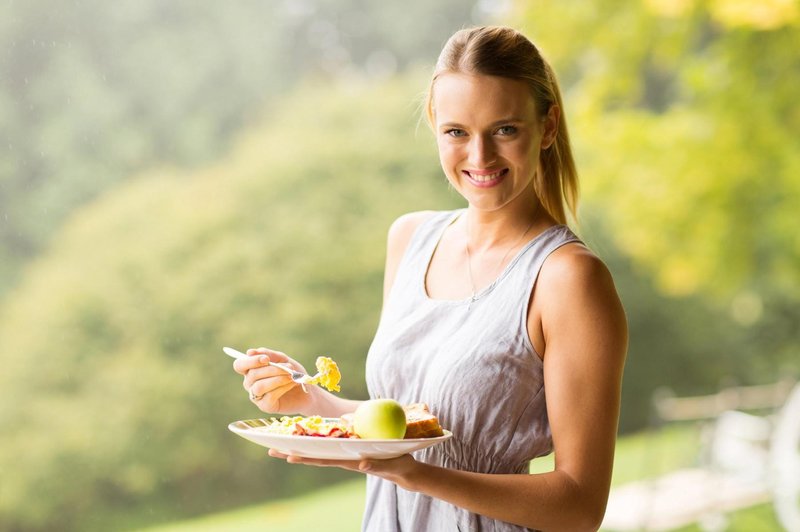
x,y
271,388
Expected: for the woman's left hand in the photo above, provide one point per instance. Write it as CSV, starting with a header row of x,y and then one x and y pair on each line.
x,y
400,470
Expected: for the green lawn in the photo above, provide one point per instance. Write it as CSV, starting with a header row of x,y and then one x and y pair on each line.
x,y
638,456
340,506
759,518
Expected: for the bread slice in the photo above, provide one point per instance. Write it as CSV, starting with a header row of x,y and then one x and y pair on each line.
x,y
420,423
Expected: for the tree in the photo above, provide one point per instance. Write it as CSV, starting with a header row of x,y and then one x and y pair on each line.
x,y
687,127
94,93
111,348
688,139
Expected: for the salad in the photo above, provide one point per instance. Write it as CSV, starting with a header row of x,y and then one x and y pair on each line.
x,y
309,426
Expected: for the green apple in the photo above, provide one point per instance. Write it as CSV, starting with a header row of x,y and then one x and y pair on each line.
x,y
380,419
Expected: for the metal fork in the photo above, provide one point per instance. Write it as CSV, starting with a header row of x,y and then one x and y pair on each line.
x,y
297,376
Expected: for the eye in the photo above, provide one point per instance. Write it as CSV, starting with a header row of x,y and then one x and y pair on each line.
x,y
455,132
506,130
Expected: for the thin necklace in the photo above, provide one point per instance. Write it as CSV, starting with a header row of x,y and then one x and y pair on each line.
x,y
474,296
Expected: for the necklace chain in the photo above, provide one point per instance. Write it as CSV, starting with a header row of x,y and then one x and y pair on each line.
x,y
474,296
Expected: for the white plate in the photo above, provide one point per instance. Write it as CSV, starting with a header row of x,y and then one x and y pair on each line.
x,y
329,448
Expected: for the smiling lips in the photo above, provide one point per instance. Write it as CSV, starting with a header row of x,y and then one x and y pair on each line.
x,y
484,178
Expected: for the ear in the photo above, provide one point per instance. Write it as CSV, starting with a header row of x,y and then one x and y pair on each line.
x,y
551,122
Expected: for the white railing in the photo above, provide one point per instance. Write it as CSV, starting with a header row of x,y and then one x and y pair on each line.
x,y
750,454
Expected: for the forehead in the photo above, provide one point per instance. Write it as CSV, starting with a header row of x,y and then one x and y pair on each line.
x,y
468,98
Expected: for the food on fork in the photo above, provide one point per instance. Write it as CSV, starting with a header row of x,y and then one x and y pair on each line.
x,y
328,374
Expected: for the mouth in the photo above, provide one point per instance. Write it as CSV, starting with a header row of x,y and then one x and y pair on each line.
x,y
483,178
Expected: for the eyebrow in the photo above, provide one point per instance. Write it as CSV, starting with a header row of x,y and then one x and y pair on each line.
x,y
509,120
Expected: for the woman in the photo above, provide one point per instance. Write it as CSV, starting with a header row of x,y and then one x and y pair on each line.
x,y
495,315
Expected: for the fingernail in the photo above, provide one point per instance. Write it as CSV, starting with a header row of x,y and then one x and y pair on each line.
x,y
365,466
263,359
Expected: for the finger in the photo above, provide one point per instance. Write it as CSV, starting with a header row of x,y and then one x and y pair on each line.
x,y
345,464
275,356
394,469
270,401
265,373
277,454
269,388
255,397
245,364
350,465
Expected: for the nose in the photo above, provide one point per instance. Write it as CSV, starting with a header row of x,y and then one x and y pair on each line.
x,y
482,152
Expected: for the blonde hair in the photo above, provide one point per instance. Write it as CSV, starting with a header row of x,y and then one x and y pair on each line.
x,y
505,52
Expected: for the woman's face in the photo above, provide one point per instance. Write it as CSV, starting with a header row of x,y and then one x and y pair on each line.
x,y
489,138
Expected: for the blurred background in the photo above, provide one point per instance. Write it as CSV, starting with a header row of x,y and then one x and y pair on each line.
x,y
179,176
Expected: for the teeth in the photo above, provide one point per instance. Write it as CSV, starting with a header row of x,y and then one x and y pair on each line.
x,y
484,178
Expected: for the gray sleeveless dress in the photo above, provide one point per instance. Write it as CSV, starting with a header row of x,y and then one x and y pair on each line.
x,y
474,365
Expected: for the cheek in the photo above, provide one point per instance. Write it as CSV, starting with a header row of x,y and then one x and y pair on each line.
x,y
448,155
523,154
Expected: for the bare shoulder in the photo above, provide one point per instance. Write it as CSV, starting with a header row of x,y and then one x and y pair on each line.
x,y
403,228
576,287
574,267
400,234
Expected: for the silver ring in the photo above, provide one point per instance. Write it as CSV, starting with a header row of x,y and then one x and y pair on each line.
x,y
254,397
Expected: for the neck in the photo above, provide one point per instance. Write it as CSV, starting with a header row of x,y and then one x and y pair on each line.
x,y
490,229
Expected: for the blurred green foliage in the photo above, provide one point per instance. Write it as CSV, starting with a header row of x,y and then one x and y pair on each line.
x,y
139,234
690,133
687,134
114,337
92,93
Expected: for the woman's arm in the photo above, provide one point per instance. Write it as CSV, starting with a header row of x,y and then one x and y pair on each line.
x,y
586,341
579,317
273,391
